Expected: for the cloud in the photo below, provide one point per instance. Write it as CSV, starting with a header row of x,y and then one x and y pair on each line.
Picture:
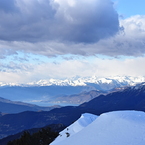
x,y
131,41
8,6
71,68
86,21
77,27
62,20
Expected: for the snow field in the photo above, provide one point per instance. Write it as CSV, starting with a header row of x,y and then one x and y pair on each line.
x,y
113,128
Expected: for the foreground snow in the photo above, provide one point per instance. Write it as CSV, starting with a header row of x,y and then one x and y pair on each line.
x,y
113,128
77,126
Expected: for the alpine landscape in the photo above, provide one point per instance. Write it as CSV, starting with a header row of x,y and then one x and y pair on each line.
x,y
72,72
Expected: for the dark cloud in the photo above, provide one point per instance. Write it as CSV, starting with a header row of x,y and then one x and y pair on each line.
x,y
64,20
78,27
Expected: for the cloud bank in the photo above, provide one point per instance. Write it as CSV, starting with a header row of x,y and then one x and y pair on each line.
x,y
58,20
13,72
58,27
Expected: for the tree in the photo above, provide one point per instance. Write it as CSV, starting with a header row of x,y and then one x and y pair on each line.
x,y
43,137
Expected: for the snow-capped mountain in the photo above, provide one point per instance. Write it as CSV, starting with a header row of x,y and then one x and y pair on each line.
x,y
113,128
117,81
106,83
70,91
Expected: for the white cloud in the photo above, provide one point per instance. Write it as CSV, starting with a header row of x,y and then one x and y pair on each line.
x,y
69,68
96,66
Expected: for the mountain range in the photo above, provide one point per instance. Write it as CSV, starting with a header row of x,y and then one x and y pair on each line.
x,y
103,83
64,92
130,98
77,99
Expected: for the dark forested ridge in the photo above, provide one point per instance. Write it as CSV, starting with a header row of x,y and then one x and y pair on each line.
x,y
33,136
42,137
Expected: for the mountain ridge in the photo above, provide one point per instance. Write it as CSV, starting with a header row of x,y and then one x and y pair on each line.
x,y
8,106
83,81
50,92
131,98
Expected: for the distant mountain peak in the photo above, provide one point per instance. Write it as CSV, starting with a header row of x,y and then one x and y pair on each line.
x,y
83,81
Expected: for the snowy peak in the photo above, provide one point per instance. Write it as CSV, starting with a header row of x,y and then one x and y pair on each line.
x,y
113,128
76,127
102,82
140,86
117,80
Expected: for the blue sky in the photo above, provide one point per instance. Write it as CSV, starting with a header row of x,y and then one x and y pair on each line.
x,y
129,8
43,39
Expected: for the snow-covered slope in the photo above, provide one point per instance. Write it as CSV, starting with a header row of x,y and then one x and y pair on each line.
x,y
113,128
77,126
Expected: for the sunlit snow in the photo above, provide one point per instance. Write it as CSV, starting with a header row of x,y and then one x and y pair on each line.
x,y
113,128
77,126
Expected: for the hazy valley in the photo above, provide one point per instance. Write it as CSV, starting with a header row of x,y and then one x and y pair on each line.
x,y
65,92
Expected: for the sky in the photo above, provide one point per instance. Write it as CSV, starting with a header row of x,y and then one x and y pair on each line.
x,y
44,39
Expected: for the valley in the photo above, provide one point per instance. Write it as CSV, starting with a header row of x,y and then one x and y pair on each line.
x,y
129,98
65,92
